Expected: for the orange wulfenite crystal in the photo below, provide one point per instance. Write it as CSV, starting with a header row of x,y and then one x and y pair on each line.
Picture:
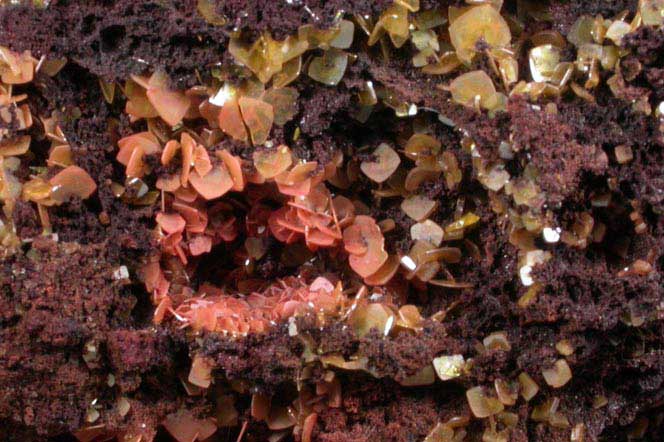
x,y
218,311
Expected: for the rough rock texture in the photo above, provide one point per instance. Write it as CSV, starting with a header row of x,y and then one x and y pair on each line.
x,y
66,320
118,38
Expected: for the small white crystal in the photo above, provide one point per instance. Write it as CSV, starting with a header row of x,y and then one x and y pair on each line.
x,y
223,94
551,235
121,273
524,274
448,367
408,262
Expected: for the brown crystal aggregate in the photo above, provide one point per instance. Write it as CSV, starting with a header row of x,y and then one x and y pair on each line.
x,y
331,221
